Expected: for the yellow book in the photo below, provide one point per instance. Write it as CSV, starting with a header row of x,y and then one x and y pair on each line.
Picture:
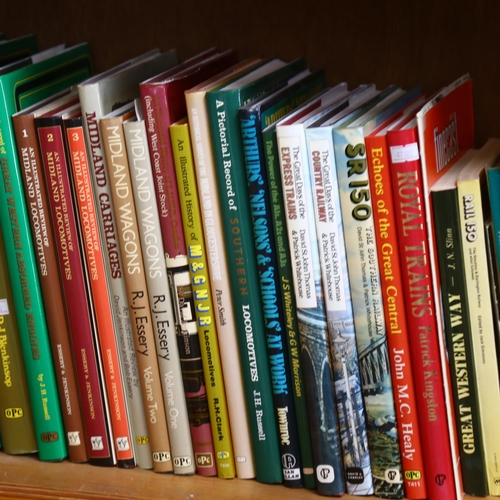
x,y
471,182
198,270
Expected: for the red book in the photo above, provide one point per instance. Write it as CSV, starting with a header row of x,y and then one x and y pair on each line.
x,y
426,346
445,133
405,398
164,104
101,296
74,281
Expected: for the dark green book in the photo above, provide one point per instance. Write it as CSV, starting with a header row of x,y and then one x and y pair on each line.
x,y
280,317
16,419
43,75
17,48
223,104
458,334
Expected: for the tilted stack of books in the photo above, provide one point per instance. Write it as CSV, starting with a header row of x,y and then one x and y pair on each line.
x,y
229,268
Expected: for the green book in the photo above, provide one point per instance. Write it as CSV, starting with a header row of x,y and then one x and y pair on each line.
x,y
223,105
16,419
17,48
39,77
279,313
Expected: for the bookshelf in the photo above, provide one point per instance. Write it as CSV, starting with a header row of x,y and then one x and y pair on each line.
x,y
407,43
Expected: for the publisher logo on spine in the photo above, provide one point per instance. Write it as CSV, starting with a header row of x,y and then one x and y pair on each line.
x,y
142,440
122,444
182,461
97,443
14,413
161,456
74,438
392,476
290,472
50,437
325,474
413,475
204,460
355,475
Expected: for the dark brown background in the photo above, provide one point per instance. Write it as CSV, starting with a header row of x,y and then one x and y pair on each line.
x,y
407,42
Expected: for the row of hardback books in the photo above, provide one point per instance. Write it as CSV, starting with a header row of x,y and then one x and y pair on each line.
x,y
227,267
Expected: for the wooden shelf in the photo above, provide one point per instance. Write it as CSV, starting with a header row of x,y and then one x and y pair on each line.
x,y
26,477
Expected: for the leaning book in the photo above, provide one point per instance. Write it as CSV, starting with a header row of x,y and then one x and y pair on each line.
x,y
16,418
98,96
141,177
366,285
74,280
46,257
45,73
223,104
473,208
448,118
458,331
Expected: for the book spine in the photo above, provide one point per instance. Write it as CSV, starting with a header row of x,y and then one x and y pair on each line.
x,y
294,341
493,179
48,270
403,382
203,302
475,261
339,312
245,286
138,297
367,300
274,315
184,457
16,419
74,281
26,290
154,101
310,308
427,369
459,340
107,222
91,243
219,281
188,343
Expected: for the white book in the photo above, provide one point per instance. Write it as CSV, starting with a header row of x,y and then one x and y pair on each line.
x,y
159,294
98,95
219,275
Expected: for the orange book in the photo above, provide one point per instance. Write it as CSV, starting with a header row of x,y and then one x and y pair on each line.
x,y
384,214
84,197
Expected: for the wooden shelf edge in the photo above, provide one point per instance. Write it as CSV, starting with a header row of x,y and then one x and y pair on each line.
x,y
26,477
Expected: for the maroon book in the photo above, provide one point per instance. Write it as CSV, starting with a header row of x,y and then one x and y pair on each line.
x,y
75,289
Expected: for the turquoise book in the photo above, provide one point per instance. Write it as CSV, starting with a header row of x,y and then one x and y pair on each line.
x,y
38,77
365,284
223,104
493,183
